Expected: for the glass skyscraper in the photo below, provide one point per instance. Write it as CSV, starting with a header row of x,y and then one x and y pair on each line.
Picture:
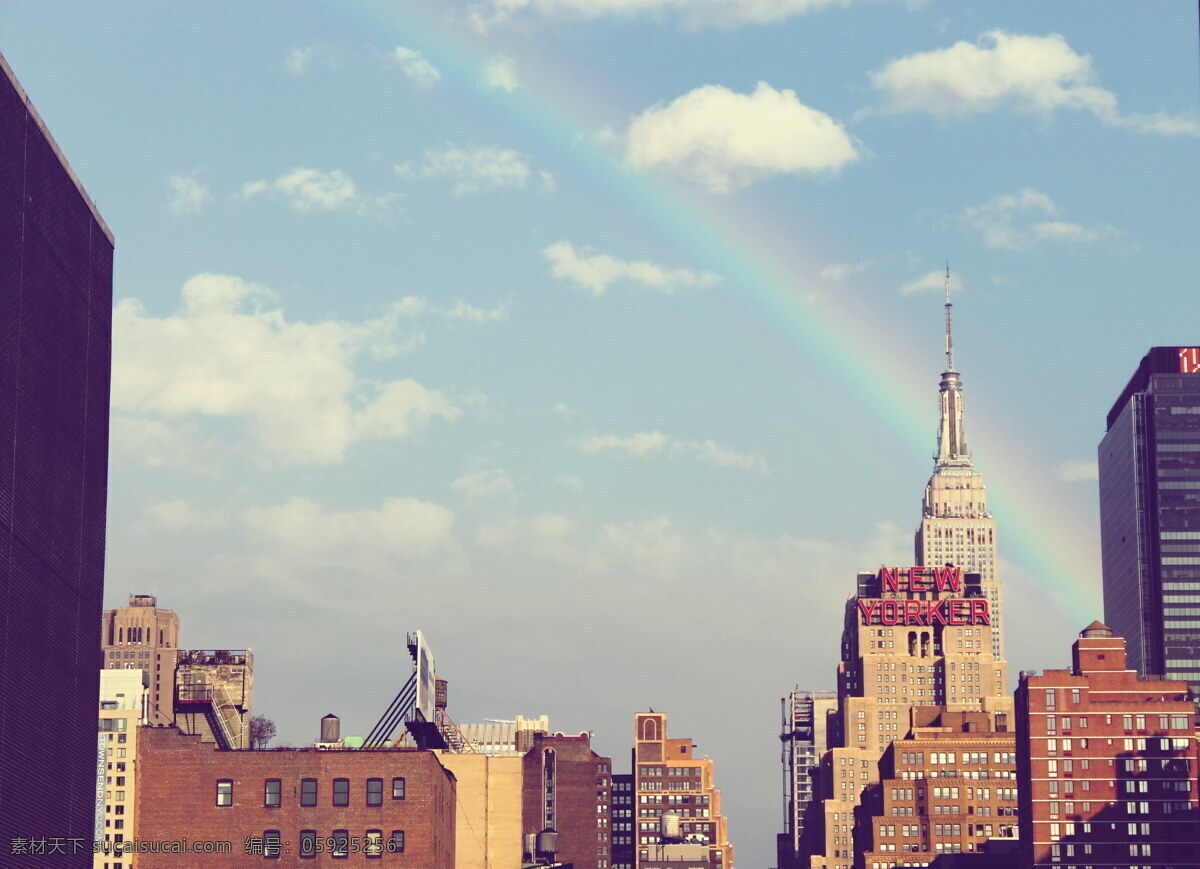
x,y
1149,464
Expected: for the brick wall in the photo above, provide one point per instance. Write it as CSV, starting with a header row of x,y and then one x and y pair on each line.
x,y
177,796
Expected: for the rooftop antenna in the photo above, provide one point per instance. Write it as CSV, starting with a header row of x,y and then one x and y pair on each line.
x,y
949,316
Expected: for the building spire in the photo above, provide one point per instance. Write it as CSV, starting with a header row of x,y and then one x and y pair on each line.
x,y
949,317
952,444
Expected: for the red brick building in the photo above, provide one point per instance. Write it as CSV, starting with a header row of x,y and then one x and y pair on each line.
x,y
567,788
948,787
1106,764
291,807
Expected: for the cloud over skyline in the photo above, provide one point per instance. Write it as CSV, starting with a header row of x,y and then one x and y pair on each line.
x,y
597,272
724,141
224,353
1032,75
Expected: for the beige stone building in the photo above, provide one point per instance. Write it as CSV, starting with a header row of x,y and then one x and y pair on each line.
x,y
143,637
124,705
487,832
674,790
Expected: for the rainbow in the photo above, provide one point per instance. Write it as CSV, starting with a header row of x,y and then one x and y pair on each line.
x,y
768,276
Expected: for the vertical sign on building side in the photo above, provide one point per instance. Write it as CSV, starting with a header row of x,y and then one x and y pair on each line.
x,y
101,785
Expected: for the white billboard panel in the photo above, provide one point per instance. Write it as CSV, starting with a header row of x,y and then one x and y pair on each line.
x,y
426,679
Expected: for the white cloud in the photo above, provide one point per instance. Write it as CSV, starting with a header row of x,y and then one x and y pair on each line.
x,y
299,545
1076,470
597,272
724,140
308,189
692,13
189,196
645,444
634,446
840,271
1034,75
311,189
473,169
570,483
412,306
181,515
500,72
225,354
299,58
422,73
482,483
157,443
302,58
1010,221
549,184
934,280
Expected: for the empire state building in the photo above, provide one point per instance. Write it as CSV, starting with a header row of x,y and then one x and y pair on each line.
x,y
956,526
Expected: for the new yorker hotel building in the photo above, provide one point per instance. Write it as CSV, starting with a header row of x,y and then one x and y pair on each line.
x,y
913,637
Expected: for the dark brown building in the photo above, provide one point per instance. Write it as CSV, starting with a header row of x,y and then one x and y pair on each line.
x,y
567,788
56,257
291,807
1106,763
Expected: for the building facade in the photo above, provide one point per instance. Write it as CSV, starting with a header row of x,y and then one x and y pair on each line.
x,y
805,738
291,805
624,810
214,691
676,800
948,787
56,259
567,788
143,637
504,737
956,525
1106,764
124,707
912,637
1149,462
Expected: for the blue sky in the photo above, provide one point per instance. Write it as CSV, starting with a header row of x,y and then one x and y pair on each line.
x,y
599,340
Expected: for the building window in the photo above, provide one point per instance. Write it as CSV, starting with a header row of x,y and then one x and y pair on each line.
x,y
308,844
271,845
396,842
271,793
374,792
373,846
308,792
397,789
341,841
225,792
341,791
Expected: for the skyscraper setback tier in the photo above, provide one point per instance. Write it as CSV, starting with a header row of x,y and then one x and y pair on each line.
x,y
56,259
949,787
956,527
1149,462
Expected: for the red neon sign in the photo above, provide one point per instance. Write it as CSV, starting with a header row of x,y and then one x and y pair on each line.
x,y
921,578
1189,360
947,611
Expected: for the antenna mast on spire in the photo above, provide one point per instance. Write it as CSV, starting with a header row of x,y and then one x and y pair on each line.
x,y
949,314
